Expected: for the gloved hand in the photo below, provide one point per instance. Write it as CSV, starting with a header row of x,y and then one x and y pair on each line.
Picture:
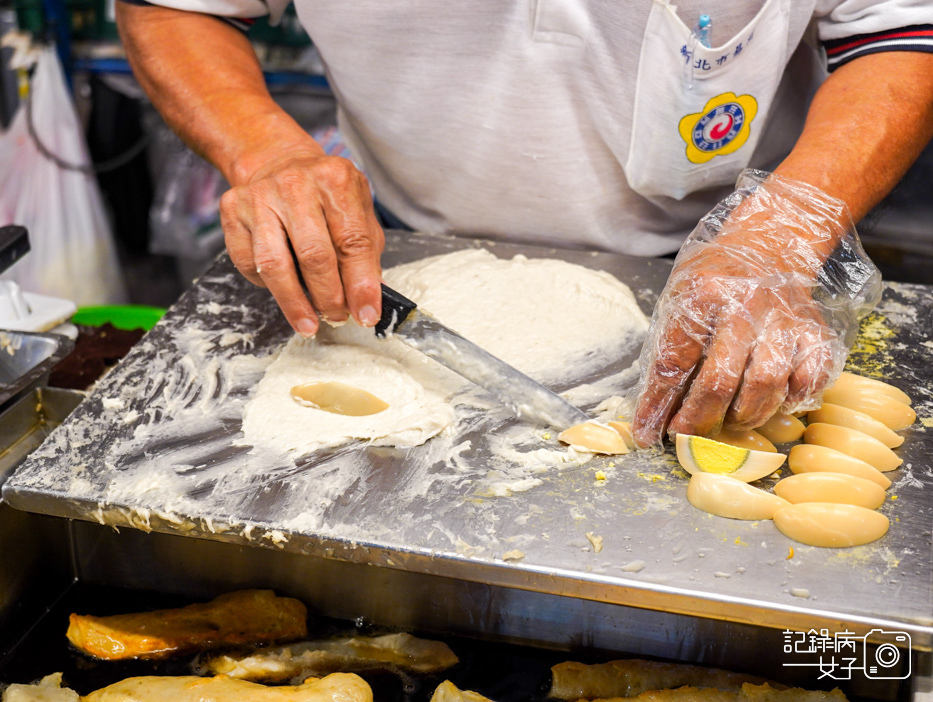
x,y
759,312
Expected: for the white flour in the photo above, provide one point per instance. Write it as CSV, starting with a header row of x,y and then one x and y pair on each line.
x,y
553,320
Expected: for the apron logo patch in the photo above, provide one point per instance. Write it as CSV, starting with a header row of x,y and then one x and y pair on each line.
x,y
720,128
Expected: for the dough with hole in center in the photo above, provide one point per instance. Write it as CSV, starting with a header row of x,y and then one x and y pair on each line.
x,y
555,321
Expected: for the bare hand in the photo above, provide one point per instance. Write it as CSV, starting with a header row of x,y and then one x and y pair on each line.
x,y
321,205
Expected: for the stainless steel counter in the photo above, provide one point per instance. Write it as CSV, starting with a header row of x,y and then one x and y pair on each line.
x,y
155,448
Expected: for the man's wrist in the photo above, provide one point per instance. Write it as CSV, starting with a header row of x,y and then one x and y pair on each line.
x,y
259,162
260,133
775,225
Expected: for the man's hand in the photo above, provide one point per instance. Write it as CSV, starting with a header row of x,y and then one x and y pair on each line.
x,y
737,333
321,207
736,344
202,75
744,328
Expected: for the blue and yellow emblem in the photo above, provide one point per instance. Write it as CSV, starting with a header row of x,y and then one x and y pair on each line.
x,y
720,128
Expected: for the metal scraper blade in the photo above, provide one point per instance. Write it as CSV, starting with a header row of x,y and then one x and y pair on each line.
x,y
524,396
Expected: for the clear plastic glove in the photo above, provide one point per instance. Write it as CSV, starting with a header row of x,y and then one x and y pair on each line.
x,y
759,312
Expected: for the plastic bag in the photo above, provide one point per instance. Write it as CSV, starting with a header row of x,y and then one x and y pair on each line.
x,y
759,312
73,254
185,215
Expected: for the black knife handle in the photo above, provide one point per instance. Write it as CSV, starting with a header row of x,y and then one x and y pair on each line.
x,y
395,306
395,310
14,244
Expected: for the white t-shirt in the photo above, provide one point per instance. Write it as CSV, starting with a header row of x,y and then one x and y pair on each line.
x,y
513,119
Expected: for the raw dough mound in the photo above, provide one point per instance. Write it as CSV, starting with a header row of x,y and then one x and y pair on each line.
x,y
550,319
536,314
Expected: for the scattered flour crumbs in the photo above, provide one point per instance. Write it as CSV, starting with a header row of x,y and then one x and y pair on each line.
x,y
555,321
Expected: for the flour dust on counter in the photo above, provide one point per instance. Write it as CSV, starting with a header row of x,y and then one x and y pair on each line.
x,y
553,320
167,461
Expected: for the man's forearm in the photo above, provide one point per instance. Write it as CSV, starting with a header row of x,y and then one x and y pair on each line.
x,y
203,77
735,339
866,125
288,197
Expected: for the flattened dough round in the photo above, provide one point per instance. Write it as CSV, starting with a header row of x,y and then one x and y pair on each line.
x,y
551,319
272,419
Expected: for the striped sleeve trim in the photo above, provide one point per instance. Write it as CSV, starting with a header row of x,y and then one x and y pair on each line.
x,y
241,23
915,38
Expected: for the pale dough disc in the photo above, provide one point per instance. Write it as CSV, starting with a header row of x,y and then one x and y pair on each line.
x,y
272,419
551,319
536,314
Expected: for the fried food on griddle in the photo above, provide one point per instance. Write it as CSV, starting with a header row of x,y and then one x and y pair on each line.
x,y
339,687
299,660
631,677
49,689
748,693
448,692
243,617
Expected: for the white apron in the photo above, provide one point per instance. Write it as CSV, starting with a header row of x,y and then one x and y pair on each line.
x,y
699,111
